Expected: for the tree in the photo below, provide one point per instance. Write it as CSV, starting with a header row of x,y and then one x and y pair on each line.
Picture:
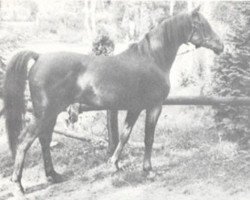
x,y
232,69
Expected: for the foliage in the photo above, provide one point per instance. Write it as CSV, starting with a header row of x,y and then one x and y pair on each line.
x,y
232,69
103,45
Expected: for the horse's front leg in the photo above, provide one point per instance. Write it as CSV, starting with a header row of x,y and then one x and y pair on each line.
x,y
124,136
152,116
113,135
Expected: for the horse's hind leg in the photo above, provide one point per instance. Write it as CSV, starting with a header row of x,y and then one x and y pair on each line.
x,y
152,116
26,138
124,136
45,138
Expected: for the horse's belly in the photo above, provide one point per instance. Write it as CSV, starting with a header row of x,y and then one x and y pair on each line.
x,y
121,101
109,97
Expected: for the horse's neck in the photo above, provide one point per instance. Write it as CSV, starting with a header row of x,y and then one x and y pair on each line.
x,y
165,41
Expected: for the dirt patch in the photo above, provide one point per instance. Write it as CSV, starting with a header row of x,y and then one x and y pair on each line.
x,y
179,174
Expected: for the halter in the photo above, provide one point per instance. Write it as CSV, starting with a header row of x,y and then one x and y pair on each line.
x,y
198,26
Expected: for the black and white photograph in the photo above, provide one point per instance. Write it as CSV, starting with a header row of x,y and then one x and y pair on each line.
x,y
124,99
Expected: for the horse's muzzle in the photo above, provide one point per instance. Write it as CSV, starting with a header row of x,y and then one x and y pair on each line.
x,y
217,46
219,49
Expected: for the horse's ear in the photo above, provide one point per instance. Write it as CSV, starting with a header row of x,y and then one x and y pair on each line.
x,y
195,13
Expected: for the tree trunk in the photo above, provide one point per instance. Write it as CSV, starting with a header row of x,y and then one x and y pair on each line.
x,y
171,7
86,17
93,18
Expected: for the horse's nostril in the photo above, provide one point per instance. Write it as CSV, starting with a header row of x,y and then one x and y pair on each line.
x,y
222,46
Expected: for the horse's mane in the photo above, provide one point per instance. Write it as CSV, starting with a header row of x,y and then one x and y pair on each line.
x,y
164,37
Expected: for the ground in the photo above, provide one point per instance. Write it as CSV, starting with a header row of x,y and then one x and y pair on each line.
x,y
183,168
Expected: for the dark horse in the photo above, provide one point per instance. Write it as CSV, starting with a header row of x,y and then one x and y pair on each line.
x,y
134,80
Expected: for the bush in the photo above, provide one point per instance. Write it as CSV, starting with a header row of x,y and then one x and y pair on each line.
x,y
232,67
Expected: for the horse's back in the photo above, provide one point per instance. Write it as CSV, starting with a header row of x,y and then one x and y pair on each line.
x,y
59,62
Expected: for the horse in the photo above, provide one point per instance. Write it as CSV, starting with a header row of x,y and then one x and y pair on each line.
x,y
136,79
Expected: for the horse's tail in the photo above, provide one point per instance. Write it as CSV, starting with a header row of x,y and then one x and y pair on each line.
x,y
14,101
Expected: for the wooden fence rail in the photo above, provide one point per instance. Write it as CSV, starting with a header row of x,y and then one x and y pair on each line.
x,y
198,101
213,101
192,100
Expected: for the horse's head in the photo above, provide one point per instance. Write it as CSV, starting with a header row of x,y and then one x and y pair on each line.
x,y
202,35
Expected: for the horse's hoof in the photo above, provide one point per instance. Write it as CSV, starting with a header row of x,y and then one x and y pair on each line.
x,y
151,175
147,168
113,165
55,178
18,191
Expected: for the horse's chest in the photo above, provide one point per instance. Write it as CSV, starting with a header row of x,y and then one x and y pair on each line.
x,y
154,90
